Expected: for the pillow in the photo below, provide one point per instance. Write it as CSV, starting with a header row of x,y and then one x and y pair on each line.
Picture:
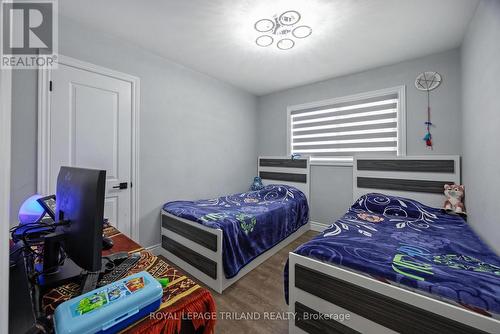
x,y
392,206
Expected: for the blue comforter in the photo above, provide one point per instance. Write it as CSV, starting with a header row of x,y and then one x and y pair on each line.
x,y
405,242
252,222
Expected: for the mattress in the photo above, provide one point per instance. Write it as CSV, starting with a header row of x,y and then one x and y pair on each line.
x,y
403,242
251,222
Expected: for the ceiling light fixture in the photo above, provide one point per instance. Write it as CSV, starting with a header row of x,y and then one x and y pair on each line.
x,y
283,28
264,40
302,32
264,25
285,44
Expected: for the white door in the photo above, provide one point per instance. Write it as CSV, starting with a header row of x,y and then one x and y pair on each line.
x,y
90,125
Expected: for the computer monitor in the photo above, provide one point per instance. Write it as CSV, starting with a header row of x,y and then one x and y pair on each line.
x,y
80,213
80,203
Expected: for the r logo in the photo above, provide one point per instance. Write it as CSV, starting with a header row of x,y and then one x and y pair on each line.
x,y
28,28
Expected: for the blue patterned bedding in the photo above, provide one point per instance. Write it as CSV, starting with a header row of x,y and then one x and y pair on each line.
x,y
252,222
403,242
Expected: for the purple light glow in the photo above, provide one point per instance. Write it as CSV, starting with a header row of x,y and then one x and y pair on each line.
x,y
31,211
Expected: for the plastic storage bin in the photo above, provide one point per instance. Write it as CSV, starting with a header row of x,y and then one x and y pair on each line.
x,y
110,308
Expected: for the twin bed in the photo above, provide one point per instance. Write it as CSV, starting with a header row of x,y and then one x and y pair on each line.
x,y
392,263
220,240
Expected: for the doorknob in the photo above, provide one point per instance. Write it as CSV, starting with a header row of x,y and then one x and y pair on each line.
x,y
123,185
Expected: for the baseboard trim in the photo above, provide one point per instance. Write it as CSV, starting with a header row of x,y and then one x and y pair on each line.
x,y
319,227
155,249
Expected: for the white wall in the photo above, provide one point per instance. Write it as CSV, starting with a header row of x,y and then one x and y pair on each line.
x,y
198,135
24,139
5,148
331,187
481,121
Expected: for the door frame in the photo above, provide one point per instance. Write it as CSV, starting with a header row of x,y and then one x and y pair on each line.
x,y
5,167
44,77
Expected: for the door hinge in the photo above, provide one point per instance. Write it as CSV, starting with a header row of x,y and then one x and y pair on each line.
x,y
130,184
50,86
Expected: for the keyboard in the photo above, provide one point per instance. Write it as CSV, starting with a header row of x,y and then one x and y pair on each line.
x,y
89,282
120,270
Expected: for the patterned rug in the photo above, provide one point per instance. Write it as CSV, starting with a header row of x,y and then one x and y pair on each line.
x,y
182,299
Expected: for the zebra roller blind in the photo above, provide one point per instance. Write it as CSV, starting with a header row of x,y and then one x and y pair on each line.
x,y
333,132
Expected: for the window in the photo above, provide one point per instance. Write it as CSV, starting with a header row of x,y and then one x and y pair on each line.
x,y
334,131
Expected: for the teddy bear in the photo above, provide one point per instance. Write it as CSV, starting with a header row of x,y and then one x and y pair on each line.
x,y
454,194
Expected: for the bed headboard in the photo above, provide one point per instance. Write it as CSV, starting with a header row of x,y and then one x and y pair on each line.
x,y
284,170
418,177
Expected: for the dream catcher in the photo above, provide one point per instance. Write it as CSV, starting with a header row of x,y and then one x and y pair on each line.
x,y
428,81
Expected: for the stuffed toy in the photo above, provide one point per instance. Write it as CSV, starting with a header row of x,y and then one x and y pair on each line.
x,y
256,184
454,194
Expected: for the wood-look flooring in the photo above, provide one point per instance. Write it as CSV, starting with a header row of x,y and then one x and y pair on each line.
x,y
259,291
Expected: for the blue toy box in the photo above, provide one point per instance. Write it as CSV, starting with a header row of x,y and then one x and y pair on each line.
x,y
110,308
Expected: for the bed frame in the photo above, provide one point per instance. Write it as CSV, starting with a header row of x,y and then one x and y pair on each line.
x,y
317,289
197,249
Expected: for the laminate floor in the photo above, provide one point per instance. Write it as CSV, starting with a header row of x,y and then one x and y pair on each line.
x,y
258,292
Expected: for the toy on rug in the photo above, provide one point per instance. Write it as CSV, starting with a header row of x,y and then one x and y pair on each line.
x,y
454,194
163,281
256,184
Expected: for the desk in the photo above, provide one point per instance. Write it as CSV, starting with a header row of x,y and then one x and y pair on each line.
x,y
181,297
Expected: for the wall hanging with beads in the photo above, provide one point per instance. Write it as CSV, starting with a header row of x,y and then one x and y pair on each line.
x,y
426,82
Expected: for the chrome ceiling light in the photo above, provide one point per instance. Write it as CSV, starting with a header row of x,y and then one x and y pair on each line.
x,y
285,44
264,40
283,28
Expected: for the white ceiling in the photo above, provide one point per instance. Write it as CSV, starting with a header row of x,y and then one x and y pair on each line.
x,y
217,37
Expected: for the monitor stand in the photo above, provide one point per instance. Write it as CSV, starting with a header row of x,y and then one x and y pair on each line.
x,y
69,271
54,274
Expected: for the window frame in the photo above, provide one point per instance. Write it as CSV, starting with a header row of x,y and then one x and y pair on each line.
x,y
401,116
